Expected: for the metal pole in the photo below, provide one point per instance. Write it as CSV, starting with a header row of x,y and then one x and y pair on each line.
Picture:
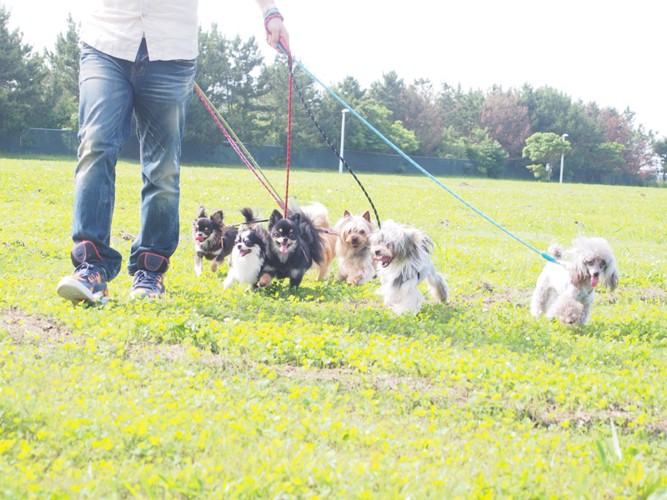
x,y
562,160
342,139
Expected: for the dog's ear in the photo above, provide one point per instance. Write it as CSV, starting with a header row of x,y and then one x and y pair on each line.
x,y
426,242
275,217
347,214
300,222
578,273
202,212
367,216
218,217
611,276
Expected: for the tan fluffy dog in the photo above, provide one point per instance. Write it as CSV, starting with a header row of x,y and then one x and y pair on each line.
x,y
320,217
353,251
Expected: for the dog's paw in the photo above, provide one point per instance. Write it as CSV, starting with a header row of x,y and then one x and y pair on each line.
x,y
264,280
353,280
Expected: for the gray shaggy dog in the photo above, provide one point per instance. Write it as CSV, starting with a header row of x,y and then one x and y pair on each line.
x,y
403,258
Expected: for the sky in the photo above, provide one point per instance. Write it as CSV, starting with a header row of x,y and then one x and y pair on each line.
x,y
608,52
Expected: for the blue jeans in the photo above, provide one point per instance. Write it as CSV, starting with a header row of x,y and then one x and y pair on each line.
x,y
159,94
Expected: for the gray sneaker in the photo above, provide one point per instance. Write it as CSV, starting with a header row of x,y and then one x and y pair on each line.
x,y
87,284
147,284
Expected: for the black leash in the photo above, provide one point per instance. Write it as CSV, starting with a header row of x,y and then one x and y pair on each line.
x,y
335,150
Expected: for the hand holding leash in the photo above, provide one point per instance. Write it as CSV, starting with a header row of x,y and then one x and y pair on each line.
x,y
276,33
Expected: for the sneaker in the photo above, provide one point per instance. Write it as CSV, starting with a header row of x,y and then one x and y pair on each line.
x,y
147,284
87,284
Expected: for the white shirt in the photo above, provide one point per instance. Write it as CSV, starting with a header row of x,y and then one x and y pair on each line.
x,y
116,27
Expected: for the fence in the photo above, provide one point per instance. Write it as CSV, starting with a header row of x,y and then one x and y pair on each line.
x,y
65,142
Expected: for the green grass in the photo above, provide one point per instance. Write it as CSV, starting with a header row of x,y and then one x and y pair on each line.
x,y
320,392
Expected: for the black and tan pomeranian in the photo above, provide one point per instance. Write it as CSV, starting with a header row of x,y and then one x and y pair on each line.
x,y
213,239
248,256
295,244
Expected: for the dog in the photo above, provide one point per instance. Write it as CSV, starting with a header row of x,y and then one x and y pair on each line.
x,y
248,256
213,239
319,214
353,250
403,257
566,289
295,244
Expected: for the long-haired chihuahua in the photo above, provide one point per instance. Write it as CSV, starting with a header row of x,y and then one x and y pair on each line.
x,y
213,239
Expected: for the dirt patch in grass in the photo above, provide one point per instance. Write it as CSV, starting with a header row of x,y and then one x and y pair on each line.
x,y
36,329
652,295
174,353
491,295
21,326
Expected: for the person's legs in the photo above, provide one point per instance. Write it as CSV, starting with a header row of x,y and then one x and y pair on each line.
x,y
105,112
163,91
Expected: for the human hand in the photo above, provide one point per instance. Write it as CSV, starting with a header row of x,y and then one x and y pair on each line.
x,y
276,31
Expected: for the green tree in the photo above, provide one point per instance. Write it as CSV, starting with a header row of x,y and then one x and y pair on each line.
x,y
487,154
610,161
660,149
307,104
423,116
545,148
21,75
390,92
358,137
507,120
461,110
453,145
380,117
350,91
62,85
414,106
227,73
549,109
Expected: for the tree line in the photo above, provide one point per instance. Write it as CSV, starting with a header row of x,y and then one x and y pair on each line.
x,y
526,127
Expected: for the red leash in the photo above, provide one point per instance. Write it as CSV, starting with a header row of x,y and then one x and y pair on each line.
x,y
235,146
285,48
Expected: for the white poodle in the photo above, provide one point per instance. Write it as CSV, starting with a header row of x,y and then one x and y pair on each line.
x,y
566,289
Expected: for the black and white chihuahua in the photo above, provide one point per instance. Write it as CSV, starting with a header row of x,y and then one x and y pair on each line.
x,y
248,256
213,239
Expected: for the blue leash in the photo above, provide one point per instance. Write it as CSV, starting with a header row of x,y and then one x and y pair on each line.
x,y
544,255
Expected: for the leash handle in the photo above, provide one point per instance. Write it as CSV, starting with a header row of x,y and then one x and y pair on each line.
x,y
284,46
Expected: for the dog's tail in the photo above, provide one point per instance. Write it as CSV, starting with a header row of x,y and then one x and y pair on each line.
x,y
318,214
314,221
555,250
250,218
437,286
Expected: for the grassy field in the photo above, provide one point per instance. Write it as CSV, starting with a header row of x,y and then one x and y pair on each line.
x,y
320,392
